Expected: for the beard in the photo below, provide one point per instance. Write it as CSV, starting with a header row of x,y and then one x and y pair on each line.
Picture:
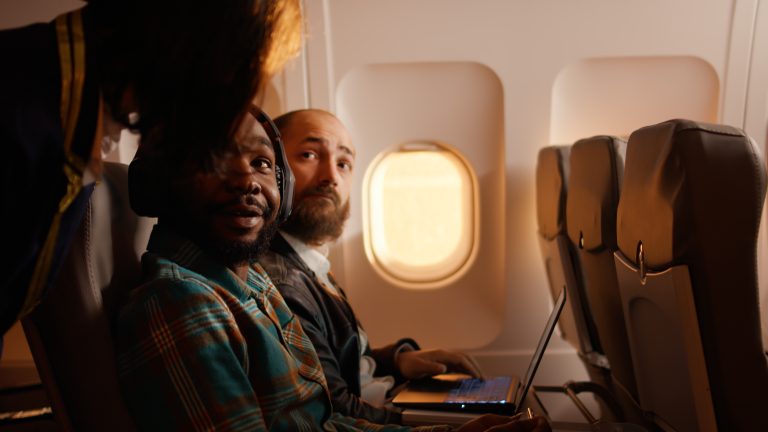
x,y
194,222
241,252
236,252
315,220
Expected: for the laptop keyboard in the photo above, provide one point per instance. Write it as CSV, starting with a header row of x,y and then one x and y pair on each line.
x,y
481,391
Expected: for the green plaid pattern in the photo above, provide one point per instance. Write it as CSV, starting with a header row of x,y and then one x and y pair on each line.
x,y
200,349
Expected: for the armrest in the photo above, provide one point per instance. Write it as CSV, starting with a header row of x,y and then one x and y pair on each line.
x,y
572,389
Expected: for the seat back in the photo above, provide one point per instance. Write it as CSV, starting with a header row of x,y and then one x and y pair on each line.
x,y
69,333
596,170
557,252
687,227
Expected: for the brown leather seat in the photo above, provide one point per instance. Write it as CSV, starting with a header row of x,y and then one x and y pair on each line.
x,y
559,257
564,272
687,229
596,172
70,331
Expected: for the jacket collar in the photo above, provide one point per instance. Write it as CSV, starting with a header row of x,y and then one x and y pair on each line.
x,y
314,258
281,246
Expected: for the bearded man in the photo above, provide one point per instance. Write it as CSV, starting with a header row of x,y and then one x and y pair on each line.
x,y
206,342
321,155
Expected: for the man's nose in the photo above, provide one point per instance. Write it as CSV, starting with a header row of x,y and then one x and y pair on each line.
x,y
329,172
241,176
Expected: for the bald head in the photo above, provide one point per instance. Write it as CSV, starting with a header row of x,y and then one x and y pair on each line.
x,y
321,155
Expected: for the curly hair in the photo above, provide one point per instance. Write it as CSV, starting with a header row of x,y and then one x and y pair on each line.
x,y
189,68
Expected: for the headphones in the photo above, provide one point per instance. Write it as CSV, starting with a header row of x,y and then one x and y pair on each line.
x,y
285,179
148,184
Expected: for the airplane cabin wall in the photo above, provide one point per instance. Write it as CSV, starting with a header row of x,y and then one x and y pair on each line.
x,y
755,123
660,59
526,47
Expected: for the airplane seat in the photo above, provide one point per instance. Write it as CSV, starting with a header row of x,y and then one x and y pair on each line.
x,y
596,171
551,192
687,226
563,272
70,332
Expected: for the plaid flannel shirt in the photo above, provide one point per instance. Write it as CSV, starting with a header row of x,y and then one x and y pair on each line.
x,y
201,349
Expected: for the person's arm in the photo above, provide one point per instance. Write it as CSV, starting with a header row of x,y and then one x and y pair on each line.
x,y
31,179
419,364
386,357
484,423
346,423
405,360
345,401
181,361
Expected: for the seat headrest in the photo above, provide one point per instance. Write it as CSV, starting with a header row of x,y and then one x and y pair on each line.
x,y
551,189
596,171
683,181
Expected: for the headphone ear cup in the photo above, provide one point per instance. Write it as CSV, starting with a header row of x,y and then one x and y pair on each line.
x,y
283,173
285,181
145,187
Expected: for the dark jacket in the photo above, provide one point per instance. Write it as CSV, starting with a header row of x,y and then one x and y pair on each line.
x,y
32,175
332,326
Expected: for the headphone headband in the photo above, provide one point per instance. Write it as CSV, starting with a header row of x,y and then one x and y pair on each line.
x,y
285,179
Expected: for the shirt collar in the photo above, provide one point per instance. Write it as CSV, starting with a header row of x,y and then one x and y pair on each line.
x,y
315,258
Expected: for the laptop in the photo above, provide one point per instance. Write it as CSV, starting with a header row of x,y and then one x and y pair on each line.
x,y
460,393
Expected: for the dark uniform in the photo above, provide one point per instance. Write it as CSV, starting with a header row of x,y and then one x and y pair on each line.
x,y
43,199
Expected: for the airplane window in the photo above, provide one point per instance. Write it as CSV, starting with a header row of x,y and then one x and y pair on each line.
x,y
420,215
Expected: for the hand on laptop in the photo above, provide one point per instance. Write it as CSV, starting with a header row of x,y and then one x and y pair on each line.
x,y
419,364
494,423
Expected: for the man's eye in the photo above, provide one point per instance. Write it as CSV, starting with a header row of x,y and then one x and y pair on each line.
x,y
346,166
261,163
308,155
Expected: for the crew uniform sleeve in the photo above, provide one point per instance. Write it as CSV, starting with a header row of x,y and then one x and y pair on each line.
x,y
31,179
302,303
182,360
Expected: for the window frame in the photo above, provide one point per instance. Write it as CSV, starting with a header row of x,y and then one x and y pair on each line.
x,y
466,263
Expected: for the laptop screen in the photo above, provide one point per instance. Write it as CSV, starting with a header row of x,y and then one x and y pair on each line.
x,y
456,392
539,353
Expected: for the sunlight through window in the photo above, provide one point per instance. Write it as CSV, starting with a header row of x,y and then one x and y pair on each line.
x,y
421,215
